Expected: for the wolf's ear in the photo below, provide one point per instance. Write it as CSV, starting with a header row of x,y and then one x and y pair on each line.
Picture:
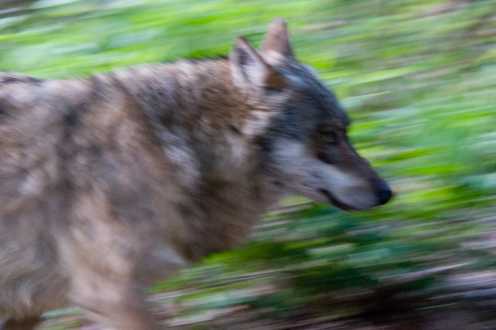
x,y
277,39
248,66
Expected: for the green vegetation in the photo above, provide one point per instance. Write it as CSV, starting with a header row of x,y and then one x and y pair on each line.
x,y
418,77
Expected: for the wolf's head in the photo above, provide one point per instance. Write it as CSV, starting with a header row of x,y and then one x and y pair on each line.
x,y
301,128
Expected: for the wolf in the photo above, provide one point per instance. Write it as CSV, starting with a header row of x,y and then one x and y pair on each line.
x,y
112,182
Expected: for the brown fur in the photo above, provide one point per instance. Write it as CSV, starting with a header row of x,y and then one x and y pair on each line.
x,y
113,182
86,186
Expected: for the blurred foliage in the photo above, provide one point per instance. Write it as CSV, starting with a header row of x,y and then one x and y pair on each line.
x,y
418,77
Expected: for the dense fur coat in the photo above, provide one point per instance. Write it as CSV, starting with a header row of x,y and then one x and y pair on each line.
x,y
112,182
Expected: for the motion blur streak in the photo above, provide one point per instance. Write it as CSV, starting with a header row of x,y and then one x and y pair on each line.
x,y
417,78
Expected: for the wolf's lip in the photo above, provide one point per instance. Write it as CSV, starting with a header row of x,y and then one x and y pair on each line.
x,y
334,201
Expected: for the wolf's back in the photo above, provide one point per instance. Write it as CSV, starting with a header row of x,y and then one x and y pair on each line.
x,y
9,78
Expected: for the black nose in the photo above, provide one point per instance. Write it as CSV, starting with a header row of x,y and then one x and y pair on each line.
x,y
384,193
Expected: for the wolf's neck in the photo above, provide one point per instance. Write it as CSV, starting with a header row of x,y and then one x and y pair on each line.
x,y
196,110
199,118
190,94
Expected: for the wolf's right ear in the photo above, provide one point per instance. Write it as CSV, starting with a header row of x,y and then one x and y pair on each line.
x,y
277,39
249,68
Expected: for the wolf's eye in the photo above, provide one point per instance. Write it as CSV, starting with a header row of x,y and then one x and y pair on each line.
x,y
328,137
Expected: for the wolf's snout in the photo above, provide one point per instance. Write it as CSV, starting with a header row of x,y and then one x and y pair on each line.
x,y
383,192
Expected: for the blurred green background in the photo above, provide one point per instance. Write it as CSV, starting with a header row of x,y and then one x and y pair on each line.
x,y
418,77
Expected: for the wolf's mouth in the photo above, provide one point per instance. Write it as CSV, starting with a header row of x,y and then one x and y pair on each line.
x,y
334,201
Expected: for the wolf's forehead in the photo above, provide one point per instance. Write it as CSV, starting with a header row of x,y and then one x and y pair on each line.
x,y
328,104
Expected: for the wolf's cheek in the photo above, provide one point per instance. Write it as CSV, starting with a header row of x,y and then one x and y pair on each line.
x,y
304,174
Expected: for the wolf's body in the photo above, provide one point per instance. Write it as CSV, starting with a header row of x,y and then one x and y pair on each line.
x,y
110,183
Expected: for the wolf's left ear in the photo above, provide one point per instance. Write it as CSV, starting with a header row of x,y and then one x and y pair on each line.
x,y
249,67
277,39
